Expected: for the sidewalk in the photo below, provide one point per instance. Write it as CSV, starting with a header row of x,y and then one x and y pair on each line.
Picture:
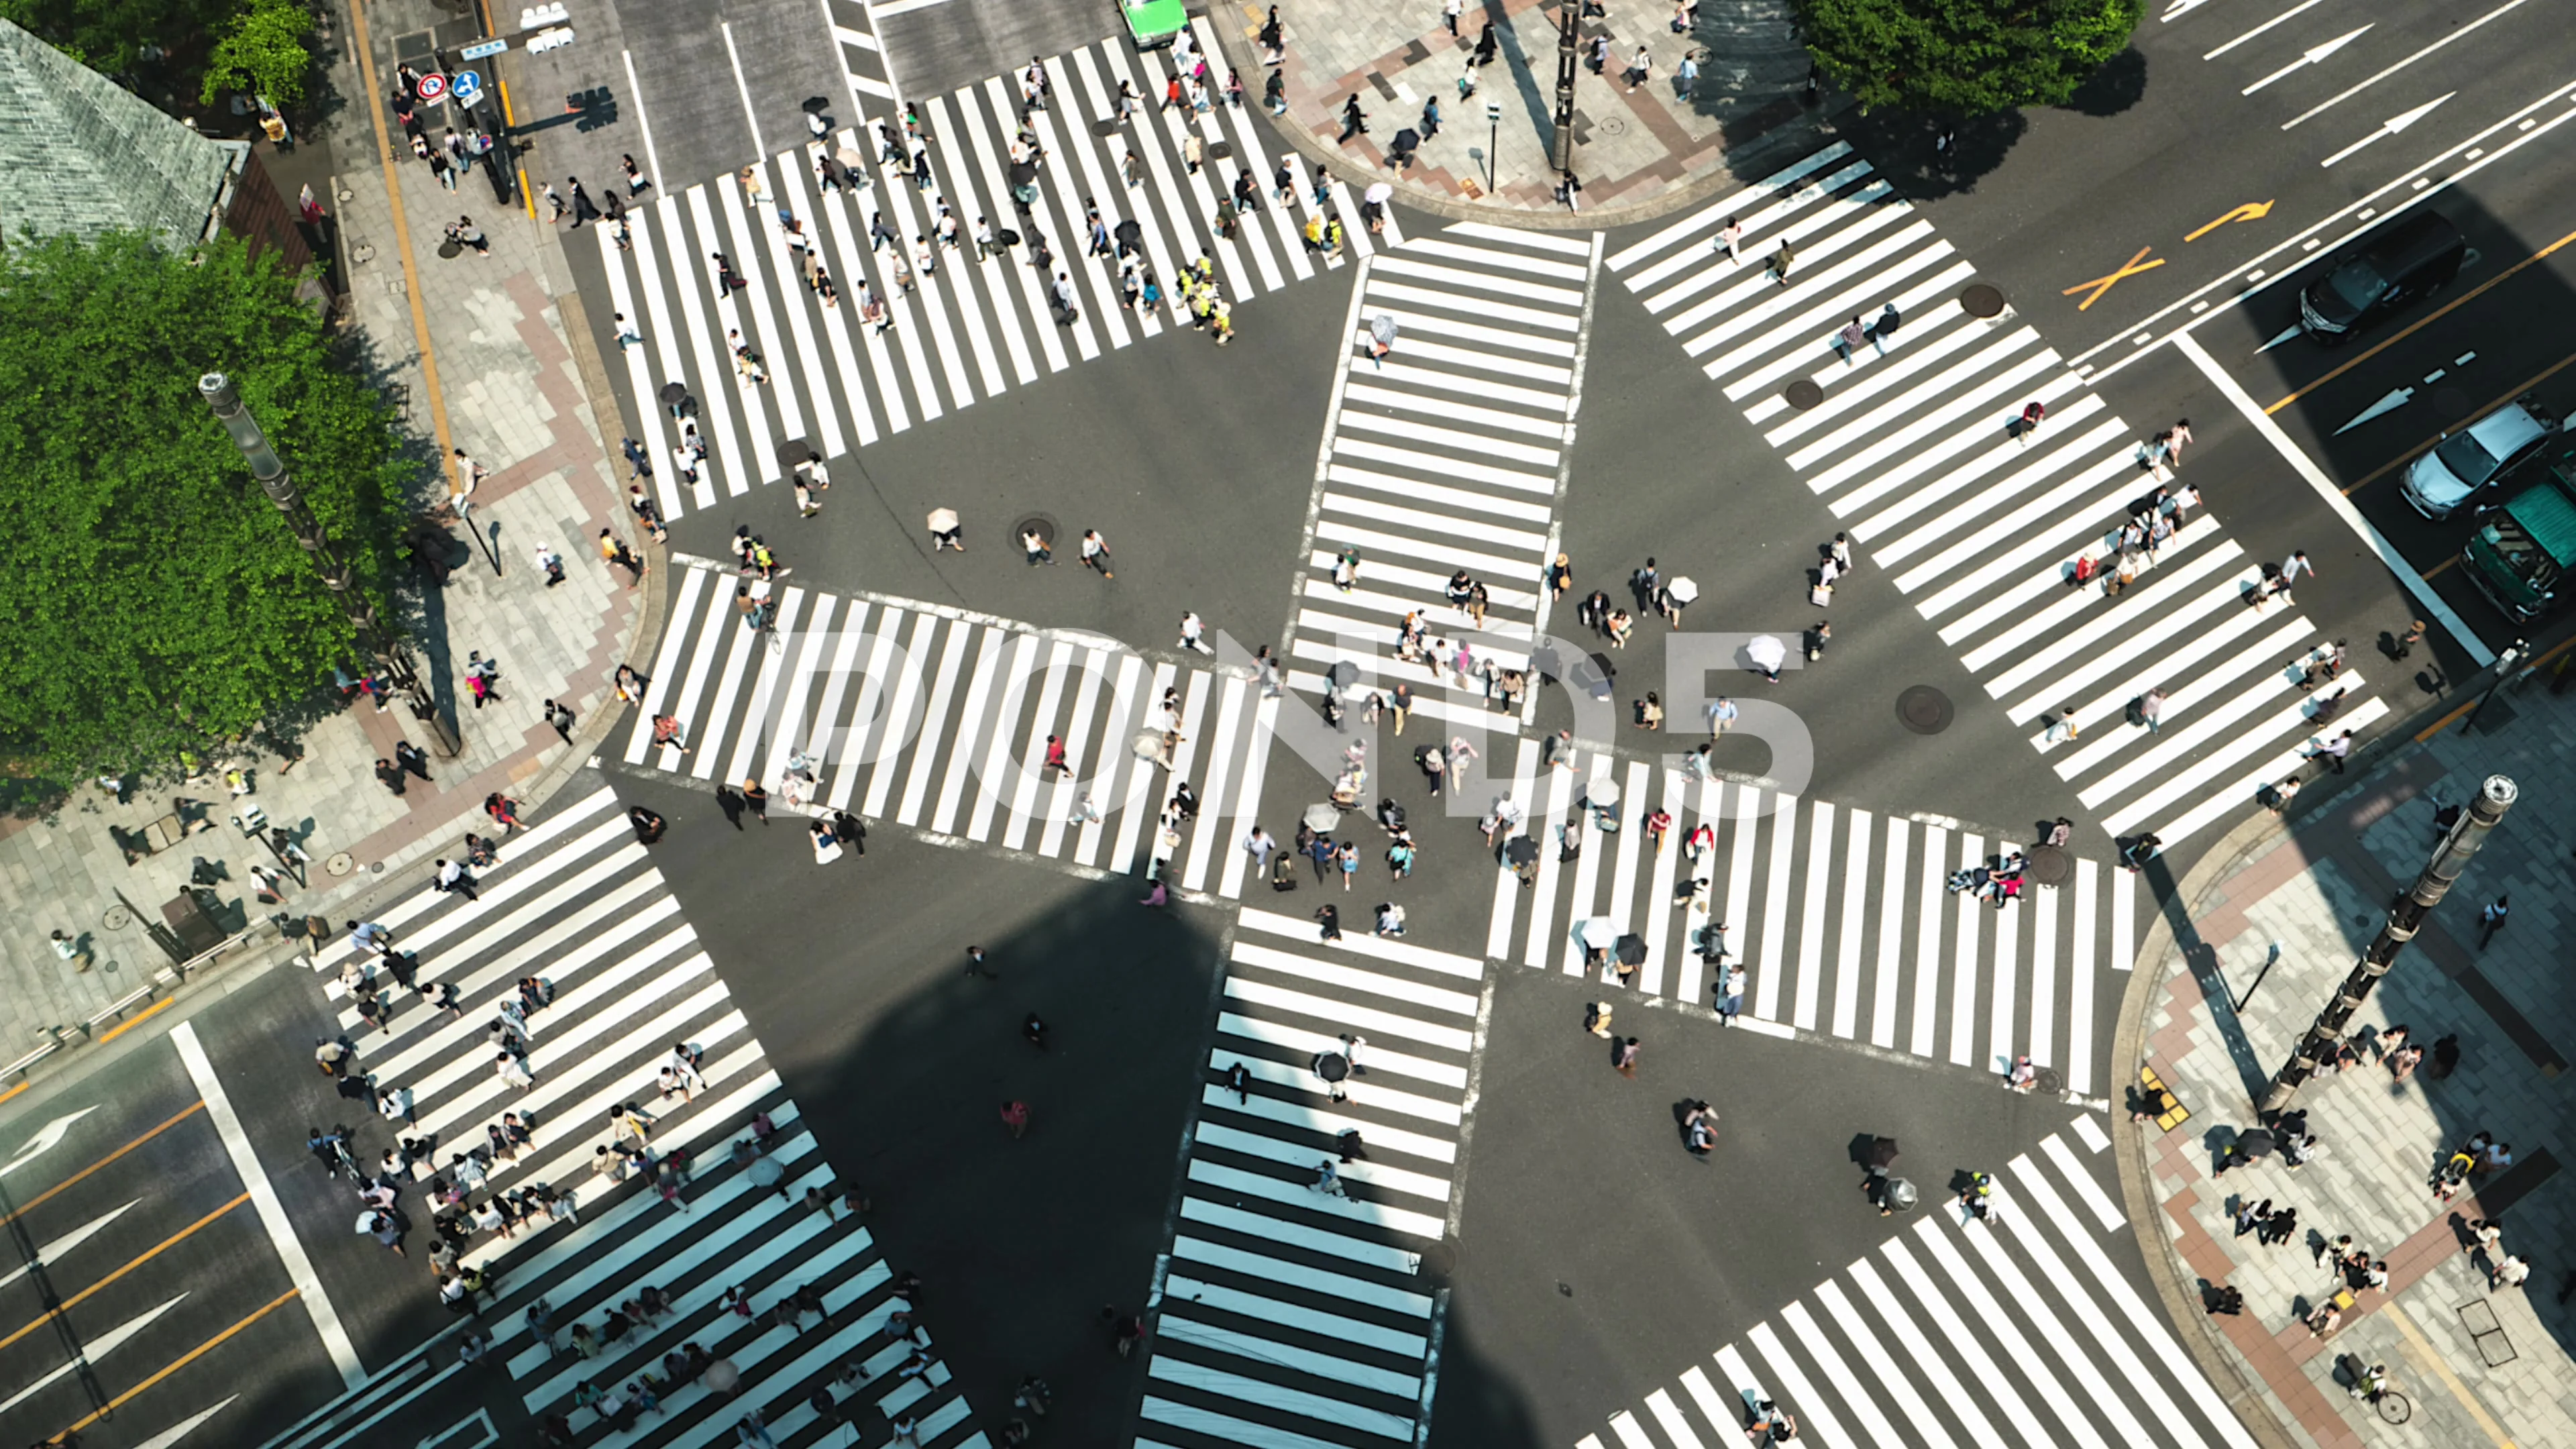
x,y
2207,1015
1637,153
516,400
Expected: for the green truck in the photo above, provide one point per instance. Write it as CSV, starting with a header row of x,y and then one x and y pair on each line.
x,y
2523,548
1154,23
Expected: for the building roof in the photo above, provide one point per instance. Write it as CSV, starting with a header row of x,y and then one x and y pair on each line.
x,y
83,155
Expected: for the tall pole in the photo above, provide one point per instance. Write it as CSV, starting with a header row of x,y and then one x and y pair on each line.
x,y
270,471
2405,918
1569,44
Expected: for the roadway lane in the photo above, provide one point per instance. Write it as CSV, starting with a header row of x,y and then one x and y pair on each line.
x,y
2059,201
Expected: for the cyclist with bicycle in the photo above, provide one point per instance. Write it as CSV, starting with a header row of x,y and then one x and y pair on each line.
x,y
2370,1383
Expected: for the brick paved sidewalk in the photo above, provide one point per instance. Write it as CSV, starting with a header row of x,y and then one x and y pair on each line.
x,y
517,401
1637,152
2214,1021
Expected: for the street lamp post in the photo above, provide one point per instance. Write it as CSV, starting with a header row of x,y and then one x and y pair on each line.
x,y
2504,664
1569,45
1493,139
270,472
2405,918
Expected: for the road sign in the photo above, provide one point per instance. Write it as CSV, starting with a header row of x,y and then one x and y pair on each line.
x,y
433,86
467,87
482,48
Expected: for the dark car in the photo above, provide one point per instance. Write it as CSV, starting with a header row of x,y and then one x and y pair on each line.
x,y
2389,270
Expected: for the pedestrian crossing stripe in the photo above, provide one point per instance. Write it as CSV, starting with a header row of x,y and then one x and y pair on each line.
x,y
1840,918
575,900
968,331
2023,1329
1978,522
1286,1316
1446,455
938,720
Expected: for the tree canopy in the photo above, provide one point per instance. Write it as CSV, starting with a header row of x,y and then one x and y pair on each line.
x,y
263,53
156,599
1965,57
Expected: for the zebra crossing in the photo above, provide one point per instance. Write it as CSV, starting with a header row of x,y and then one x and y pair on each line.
x,y
939,719
1446,456
575,900
1838,916
1981,524
1944,1338
970,329
863,57
1287,1312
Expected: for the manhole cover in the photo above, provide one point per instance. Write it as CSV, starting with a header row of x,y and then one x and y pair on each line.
x,y
1982,301
117,918
1105,127
1611,126
1802,394
375,867
340,863
1039,524
1221,151
1924,710
2047,865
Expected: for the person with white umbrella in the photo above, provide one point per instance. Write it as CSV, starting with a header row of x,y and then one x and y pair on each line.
x,y
1767,654
1673,597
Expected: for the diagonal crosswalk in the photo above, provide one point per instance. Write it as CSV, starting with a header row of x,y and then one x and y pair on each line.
x,y
969,329
1446,456
1288,1314
939,719
1838,916
1981,524
575,901
2020,1330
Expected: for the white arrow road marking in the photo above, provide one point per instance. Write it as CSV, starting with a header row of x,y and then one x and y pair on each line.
x,y
2389,127
93,1351
46,1139
2259,29
2388,403
183,1428
2311,57
68,1241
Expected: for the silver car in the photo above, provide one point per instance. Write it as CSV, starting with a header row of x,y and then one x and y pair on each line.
x,y
2478,456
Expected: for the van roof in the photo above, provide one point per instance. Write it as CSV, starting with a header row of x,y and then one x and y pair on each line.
x,y
2411,241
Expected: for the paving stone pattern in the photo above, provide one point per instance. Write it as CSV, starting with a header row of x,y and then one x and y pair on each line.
x,y
2321,891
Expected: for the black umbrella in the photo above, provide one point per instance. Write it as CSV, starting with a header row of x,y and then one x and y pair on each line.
x,y
1023,173
1343,674
672,392
1520,850
1407,141
1128,233
1544,659
2254,1144
1882,1152
1632,949
1332,1066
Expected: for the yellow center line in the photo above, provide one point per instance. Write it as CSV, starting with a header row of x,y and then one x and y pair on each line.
x,y
402,237
192,1110
191,1356
2357,360
69,1303
140,1017
2427,1356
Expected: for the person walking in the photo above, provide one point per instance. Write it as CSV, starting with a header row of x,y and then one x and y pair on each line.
x,y
1730,987
2061,726
2491,920
1730,240
1623,1058
1095,553
2033,413
1354,120
2291,567
1781,261
1722,712
1191,629
2406,642
1259,845
1883,327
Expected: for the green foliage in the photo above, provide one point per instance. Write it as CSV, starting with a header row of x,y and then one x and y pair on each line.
x,y
1965,57
263,54
156,600
111,35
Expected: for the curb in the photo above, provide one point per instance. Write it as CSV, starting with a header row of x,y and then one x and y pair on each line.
x,y
1239,54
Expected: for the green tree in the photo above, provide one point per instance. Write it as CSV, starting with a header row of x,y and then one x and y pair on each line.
x,y
155,600
1965,57
263,54
113,35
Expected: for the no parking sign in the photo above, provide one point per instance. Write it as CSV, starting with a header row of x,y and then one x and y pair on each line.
x,y
433,87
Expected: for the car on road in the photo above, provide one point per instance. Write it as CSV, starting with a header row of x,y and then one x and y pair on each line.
x,y
2387,271
1153,24
2521,552
2482,455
